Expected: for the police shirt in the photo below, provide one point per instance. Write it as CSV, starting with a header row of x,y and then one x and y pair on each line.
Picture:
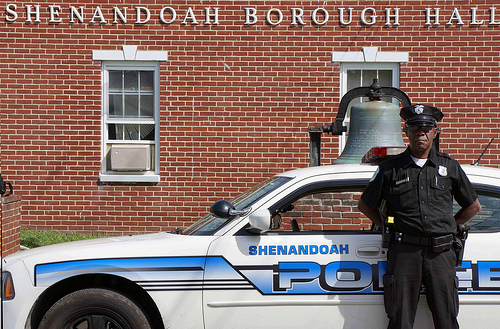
x,y
420,199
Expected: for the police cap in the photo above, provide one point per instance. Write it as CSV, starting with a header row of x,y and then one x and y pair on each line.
x,y
421,115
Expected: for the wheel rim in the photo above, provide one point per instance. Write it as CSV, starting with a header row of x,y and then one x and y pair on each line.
x,y
94,321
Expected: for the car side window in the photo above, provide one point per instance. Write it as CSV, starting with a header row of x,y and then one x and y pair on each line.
x,y
336,210
324,212
489,217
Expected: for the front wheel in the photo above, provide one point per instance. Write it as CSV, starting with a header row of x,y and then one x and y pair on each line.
x,y
94,308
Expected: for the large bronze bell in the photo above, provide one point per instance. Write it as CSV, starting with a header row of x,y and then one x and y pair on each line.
x,y
374,123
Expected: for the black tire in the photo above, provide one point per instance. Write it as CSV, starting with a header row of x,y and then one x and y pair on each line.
x,y
94,308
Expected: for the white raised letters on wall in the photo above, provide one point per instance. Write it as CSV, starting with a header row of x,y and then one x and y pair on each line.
x,y
293,17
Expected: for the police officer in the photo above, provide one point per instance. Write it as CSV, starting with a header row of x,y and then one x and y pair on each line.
x,y
418,187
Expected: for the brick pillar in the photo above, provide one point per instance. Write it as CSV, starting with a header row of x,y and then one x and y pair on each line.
x,y
10,210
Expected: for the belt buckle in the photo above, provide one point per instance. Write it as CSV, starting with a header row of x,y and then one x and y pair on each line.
x,y
442,243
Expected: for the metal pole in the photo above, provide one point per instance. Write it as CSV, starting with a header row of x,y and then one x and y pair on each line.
x,y
315,146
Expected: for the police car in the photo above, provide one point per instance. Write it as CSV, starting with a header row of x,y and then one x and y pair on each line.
x,y
292,252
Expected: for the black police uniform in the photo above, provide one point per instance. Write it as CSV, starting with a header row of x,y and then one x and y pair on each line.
x,y
419,211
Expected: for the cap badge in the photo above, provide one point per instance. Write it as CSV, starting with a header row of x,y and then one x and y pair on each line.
x,y
419,109
442,171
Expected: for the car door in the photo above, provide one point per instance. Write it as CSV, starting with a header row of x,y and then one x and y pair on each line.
x,y
479,273
328,274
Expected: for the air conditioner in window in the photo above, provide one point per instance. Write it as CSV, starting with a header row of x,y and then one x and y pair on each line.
x,y
130,157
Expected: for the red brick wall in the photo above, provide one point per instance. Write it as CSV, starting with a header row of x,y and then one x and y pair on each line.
x,y
10,212
236,100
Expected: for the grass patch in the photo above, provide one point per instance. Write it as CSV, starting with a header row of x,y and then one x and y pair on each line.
x,y
33,239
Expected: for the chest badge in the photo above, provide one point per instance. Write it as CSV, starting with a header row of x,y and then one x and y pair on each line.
x,y
442,171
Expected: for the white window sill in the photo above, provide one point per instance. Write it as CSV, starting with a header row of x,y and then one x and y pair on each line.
x,y
129,178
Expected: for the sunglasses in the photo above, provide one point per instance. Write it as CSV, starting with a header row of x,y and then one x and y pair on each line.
x,y
425,129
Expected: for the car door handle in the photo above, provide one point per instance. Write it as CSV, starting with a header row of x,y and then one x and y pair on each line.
x,y
368,251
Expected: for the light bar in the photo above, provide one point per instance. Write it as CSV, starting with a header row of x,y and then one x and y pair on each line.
x,y
378,154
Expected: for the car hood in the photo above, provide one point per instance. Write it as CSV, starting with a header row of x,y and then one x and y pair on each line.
x,y
143,246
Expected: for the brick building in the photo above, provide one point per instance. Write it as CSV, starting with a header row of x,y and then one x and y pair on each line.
x,y
121,117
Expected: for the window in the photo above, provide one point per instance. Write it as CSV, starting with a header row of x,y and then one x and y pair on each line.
x,y
358,69
130,120
326,211
362,75
210,223
337,210
330,205
488,218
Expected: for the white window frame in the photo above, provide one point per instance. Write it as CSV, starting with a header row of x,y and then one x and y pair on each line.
x,y
130,59
344,67
367,59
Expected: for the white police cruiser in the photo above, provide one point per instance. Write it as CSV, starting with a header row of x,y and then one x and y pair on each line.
x,y
288,253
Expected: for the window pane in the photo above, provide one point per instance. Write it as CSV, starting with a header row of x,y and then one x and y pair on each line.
x,y
147,132
326,211
115,106
385,78
353,79
368,76
147,80
115,80
131,132
147,103
131,106
115,131
130,79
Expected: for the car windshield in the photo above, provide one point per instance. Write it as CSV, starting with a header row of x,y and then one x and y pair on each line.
x,y
210,223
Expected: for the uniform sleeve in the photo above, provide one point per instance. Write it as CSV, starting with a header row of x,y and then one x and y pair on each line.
x,y
464,193
372,194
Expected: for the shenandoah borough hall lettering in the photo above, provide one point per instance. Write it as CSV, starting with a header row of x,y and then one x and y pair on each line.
x,y
390,17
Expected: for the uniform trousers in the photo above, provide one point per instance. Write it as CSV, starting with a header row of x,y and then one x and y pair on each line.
x,y
408,267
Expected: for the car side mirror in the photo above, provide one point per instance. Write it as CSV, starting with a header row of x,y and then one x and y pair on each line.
x,y
225,210
261,221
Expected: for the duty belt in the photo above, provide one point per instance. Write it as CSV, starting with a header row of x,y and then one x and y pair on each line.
x,y
438,243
